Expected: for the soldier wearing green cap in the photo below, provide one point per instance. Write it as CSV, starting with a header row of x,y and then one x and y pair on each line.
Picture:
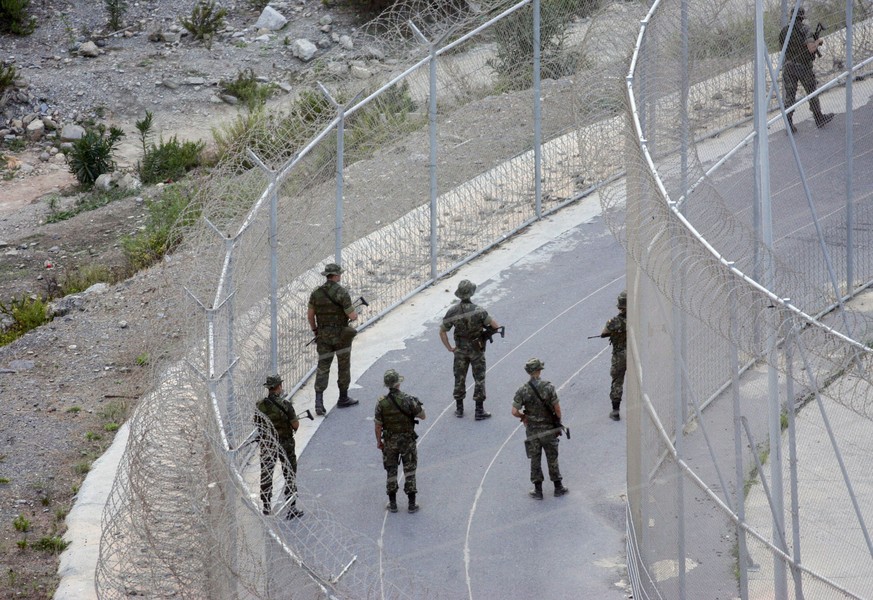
x,y
329,312
276,422
541,411
467,319
397,414
616,331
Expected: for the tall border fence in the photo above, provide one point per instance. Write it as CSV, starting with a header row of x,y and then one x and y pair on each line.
x,y
749,369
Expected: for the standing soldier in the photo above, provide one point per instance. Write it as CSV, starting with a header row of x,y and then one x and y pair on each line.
x,y
329,312
542,420
276,422
468,320
616,331
396,416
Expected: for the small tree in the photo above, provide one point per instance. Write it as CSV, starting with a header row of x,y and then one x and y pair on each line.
x,y
14,18
91,155
115,9
206,19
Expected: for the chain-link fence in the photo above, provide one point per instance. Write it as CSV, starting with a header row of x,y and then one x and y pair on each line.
x,y
749,370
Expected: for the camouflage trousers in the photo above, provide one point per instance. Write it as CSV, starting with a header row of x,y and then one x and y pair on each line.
x,y
539,441
464,359
617,371
397,449
270,454
328,347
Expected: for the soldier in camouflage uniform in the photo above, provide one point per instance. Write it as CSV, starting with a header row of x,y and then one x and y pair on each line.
x,y
396,416
468,320
329,312
276,422
542,411
616,331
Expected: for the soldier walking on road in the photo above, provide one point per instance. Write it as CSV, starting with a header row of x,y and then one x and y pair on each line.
x,y
396,416
276,423
542,420
468,321
616,331
329,312
803,47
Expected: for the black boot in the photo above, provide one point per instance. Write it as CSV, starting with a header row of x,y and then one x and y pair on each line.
x,y
413,507
537,492
319,403
459,408
345,400
480,411
791,123
615,415
560,490
293,512
392,502
823,119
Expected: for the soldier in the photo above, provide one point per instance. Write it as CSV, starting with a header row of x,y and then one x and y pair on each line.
x,y
616,331
329,312
542,418
396,416
801,51
468,321
276,421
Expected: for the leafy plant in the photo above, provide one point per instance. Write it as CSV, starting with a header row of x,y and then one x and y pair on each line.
x,y
14,18
22,544
143,359
111,427
4,480
7,76
247,88
25,314
206,19
115,9
52,544
91,155
20,523
168,217
93,437
169,160
144,127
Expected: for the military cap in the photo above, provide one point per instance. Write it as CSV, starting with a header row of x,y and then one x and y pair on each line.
x,y
622,300
332,269
273,381
534,364
801,13
465,290
392,378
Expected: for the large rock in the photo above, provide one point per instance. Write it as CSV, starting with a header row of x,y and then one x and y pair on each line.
x,y
128,182
35,130
72,132
303,49
271,19
89,49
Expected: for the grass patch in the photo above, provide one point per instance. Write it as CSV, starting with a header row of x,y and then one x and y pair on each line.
x,y
111,427
82,278
114,412
247,89
24,314
21,523
168,216
82,468
52,544
90,201
4,480
74,409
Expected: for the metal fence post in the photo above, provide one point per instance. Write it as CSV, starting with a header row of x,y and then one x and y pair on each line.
x,y
850,144
537,111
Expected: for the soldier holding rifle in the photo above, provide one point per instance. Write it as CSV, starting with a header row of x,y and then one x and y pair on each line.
x,y
803,47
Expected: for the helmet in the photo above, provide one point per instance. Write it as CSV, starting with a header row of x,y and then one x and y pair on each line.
x,y
332,269
534,364
801,13
622,300
273,381
392,378
465,290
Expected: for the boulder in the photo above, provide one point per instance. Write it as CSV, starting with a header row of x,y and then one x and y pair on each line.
x,y
303,49
35,130
89,49
72,132
271,19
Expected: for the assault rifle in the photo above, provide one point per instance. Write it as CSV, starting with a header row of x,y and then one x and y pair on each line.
x,y
818,29
359,302
487,334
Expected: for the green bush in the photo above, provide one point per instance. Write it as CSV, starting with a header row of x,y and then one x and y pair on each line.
x,y
52,544
91,155
115,9
169,161
206,19
514,34
168,217
247,88
7,77
25,314
14,18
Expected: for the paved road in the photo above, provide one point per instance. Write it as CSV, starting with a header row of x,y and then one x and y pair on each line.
x,y
478,534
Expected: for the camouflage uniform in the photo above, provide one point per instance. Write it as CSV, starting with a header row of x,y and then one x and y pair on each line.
x,y
542,435
468,320
616,331
274,423
331,303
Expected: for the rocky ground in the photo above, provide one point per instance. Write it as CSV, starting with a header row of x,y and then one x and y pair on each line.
x,y
65,387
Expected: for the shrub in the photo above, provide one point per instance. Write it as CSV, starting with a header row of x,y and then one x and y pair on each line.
x,y
115,9
7,77
206,19
91,155
168,216
82,278
20,523
51,544
25,314
169,160
14,18
247,88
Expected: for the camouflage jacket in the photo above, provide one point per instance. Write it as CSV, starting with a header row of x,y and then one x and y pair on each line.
x,y
281,418
468,319
539,416
332,304
396,420
616,330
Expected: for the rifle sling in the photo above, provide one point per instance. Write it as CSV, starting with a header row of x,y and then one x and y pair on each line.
x,y
394,402
544,403
282,408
